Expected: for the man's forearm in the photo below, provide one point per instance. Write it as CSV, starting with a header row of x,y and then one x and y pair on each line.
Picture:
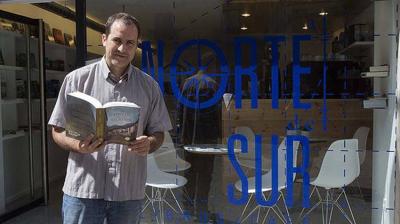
x,y
64,141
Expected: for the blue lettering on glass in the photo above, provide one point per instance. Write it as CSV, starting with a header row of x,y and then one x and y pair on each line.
x,y
224,74
275,68
238,169
274,169
160,62
290,169
298,70
240,72
147,58
250,71
148,64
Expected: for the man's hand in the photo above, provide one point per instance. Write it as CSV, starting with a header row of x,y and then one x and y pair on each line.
x,y
90,144
141,146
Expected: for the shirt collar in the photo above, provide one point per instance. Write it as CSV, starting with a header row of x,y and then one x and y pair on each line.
x,y
109,76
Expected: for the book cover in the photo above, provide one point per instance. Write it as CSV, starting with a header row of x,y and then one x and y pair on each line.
x,y
69,41
58,36
115,122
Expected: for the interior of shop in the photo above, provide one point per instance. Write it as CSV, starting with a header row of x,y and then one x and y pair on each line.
x,y
263,69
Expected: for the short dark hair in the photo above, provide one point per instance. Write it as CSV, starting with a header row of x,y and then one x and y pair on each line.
x,y
126,18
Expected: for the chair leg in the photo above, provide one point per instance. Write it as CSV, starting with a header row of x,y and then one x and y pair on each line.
x,y
251,212
266,215
330,217
348,204
276,209
176,201
301,213
287,210
245,208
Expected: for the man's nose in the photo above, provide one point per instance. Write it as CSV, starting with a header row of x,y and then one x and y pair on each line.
x,y
121,47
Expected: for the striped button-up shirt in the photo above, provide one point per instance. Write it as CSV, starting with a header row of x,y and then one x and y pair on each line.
x,y
112,173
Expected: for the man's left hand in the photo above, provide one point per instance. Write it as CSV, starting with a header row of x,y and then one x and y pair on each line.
x,y
141,146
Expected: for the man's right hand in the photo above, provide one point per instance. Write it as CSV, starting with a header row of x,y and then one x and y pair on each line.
x,y
90,144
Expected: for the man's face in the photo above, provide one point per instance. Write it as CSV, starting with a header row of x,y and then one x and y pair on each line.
x,y
120,44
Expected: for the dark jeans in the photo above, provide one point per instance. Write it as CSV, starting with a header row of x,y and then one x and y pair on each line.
x,y
199,180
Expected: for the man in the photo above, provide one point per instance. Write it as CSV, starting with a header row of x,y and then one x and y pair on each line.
x,y
107,181
201,126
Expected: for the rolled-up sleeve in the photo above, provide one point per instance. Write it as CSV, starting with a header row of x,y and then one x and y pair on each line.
x,y
159,118
57,117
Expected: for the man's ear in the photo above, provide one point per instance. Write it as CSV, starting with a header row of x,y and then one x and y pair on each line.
x,y
103,39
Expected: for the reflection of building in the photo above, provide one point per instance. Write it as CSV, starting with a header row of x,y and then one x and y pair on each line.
x,y
200,126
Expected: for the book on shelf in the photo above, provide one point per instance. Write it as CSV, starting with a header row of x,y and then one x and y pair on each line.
x,y
58,36
115,122
69,41
47,32
382,68
374,74
375,102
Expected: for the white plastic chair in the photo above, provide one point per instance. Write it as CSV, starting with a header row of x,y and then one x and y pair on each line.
x,y
340,167
248,159
361,135
266,181
166,157
161,183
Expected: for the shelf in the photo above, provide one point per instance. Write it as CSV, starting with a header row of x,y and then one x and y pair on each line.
x,y
11,68
18,134
50,100
357,47
11,33
49,71
12,101
54,44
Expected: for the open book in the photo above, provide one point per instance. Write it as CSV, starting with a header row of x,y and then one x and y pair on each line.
x,y
115,122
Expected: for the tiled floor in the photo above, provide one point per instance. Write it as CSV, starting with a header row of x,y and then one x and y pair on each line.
x,y
226,212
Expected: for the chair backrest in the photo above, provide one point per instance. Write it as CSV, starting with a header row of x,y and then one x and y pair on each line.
x,y
340,165
152,166
167,145
249,134
361,135
282,158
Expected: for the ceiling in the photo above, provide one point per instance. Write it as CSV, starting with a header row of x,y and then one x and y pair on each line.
x,y
216,19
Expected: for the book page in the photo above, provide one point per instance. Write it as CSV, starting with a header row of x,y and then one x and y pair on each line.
x,y
121,124
80,118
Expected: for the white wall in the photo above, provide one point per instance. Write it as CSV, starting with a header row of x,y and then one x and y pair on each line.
x,y
384,120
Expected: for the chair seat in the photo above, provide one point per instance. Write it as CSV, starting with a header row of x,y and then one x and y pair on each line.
x,y
170,162
326,185
165,180
251,163
266,181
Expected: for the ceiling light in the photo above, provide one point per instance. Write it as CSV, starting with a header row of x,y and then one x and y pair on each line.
x,y
243,28
246,14
323,13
